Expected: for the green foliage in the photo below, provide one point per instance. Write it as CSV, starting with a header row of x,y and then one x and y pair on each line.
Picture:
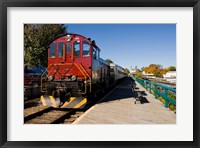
x,y
171,68
155,65
172,107
171,95
153,68
157,74
109,61
139,75
126,70
161,99
37,38
157,70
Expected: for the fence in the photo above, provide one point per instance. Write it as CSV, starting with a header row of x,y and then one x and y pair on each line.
x,y
167,93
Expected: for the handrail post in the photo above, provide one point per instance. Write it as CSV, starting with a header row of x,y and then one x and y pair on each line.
x,y
150,87
155,91
165,97
144,84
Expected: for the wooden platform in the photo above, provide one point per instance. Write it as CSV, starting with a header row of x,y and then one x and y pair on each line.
x,y
118,108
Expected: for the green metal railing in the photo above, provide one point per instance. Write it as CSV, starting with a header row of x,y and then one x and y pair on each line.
x,y
167,93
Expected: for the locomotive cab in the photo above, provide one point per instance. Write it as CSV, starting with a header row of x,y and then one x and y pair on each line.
x,y
66,54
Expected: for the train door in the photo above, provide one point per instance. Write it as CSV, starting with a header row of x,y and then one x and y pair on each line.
x,y
69,53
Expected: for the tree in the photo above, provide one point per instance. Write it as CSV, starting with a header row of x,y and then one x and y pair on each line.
x,y
153,65
171,68
157,74
142,69
109,61
37,38
152,68
139,75
155,69
126,70
164,71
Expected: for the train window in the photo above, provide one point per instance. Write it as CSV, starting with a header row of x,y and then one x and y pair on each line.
x,y
69,48
111,70
86,48
60,49
97,54
52,51
77,48
94,53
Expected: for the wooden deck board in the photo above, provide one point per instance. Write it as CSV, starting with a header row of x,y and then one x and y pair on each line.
x,y
118,108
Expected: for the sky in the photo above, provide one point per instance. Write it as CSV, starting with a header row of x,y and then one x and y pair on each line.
x,y
130,45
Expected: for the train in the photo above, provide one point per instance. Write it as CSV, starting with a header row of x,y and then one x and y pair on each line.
x,y
76,73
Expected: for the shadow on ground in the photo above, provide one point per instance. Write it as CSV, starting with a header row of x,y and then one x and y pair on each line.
x,y
139,96
124,91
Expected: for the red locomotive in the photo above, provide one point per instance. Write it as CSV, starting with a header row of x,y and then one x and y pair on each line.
x,y
76,74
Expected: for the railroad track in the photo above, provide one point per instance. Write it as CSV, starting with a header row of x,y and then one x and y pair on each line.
x,y
31,102
36,113
49,115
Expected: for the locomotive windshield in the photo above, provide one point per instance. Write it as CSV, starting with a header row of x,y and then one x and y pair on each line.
x,y
52,50
86,49
77,48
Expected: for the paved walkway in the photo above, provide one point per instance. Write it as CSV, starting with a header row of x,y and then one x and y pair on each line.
x,y
118,108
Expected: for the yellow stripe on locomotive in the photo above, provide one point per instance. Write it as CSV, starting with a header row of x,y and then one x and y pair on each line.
x,y
73,102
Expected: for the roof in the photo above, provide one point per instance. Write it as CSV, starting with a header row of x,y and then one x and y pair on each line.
x,y
103,61
74,34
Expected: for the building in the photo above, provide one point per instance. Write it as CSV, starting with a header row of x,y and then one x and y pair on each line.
x,y
148,75
133,71
170,76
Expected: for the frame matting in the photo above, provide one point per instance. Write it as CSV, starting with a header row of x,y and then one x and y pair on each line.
x,y
4,4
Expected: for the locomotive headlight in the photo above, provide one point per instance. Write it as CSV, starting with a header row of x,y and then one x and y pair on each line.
x,y
73,78
50,78
68,37
87,81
